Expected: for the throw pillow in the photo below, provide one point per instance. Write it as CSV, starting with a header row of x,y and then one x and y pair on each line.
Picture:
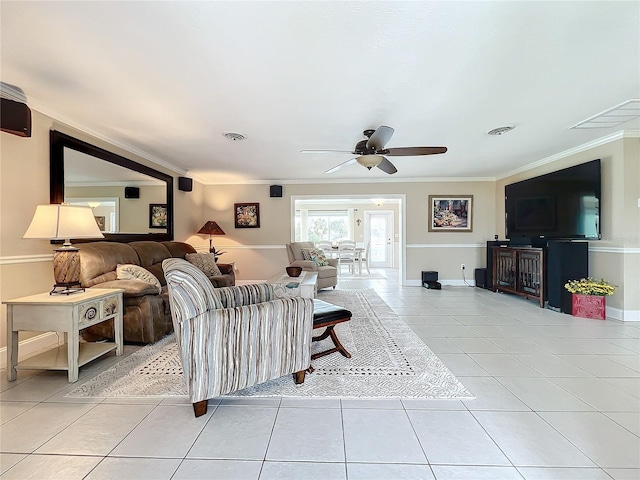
x,y
306,253
205,262
318,256
136,272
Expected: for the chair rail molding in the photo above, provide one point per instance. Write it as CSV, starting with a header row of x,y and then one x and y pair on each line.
x,y
446,245
14,259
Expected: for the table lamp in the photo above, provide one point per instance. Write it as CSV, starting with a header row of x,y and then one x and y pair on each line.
x,y
63,222
211,228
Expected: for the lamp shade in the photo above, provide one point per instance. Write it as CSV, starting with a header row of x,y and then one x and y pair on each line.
x,y
369,161
61,222
211,228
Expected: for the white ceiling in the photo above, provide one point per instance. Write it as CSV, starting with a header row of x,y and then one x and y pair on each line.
x,y
169,78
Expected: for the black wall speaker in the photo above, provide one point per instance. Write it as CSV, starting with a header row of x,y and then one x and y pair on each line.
x,y
185,184
15,118
275,191
131,192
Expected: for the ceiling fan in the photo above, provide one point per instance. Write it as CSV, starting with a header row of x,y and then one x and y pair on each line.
x,y
371,152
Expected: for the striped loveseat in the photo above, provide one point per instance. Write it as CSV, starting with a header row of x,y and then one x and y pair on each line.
x,y
231,338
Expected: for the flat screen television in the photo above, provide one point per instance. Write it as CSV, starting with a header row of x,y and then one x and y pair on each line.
x,y
560,205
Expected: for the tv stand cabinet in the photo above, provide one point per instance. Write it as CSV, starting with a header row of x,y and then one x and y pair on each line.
x,y
521,271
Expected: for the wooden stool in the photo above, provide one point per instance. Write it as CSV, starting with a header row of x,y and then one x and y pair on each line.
x,y
329,315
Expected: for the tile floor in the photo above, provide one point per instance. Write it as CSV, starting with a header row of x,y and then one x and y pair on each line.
x,y
558,397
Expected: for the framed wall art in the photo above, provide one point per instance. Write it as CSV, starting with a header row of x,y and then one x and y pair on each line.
x,y
157,215
247,215
450,213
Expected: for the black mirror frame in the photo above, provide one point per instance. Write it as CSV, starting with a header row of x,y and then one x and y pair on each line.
x,y
58,141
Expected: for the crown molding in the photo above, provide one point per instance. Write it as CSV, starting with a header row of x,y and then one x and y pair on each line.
x,y
572,151
307,181
446,245
12,93
35,104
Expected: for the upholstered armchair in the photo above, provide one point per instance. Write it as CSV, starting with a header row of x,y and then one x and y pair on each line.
x,y
327,274
231,338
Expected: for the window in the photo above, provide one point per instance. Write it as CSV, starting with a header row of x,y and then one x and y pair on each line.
x,y
314,225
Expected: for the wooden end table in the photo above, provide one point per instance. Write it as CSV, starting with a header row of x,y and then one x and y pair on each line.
x,y
63,313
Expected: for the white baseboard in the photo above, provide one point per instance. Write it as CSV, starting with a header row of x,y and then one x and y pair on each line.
x,y
31,346
624,315
451,283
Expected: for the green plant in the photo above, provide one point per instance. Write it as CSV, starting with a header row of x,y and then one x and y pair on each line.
x,y
590,286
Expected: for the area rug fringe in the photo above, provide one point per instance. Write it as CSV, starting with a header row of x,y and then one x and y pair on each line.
x,y
388,361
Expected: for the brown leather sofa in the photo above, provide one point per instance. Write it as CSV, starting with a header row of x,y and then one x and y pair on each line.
x,y
147,316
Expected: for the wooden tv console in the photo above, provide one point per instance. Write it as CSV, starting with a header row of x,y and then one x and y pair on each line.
x,y
519,270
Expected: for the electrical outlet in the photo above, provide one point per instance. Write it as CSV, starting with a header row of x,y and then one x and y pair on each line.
x,y
462,266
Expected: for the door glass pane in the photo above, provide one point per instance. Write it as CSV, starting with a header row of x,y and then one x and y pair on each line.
x,y
378,239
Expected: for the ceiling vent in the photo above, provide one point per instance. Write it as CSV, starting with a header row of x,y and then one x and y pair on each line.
x,y
236,137
501,130
614,116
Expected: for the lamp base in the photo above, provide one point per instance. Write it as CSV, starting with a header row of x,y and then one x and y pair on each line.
x,y
66,288
66,266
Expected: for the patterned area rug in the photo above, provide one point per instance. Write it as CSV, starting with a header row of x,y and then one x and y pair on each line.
x,y
387,360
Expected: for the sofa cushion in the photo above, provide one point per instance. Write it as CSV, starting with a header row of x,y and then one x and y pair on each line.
x,y
136,272
151,255
98,261
132,288
205,262
179,249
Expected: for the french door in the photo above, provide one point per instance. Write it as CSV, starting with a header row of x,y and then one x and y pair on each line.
x,y
379,231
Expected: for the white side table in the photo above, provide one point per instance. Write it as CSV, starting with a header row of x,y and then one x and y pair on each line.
x,y
63,313
307,285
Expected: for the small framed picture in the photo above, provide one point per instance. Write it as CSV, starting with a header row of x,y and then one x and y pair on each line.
x,y
247,215
157,215
101,221
450,213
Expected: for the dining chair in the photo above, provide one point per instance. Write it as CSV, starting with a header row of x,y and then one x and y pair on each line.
x,y
325,246
346,254
364,258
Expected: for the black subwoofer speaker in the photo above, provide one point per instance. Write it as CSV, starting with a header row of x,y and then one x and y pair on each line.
x,y
15,118
275,191
480,276
185,184
430,280
566,261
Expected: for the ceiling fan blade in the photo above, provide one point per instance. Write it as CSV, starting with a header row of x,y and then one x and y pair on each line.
x,y
412,151
339,166
380,137
387,167
328,151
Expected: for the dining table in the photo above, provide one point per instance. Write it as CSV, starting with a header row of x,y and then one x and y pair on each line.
x,y
357,257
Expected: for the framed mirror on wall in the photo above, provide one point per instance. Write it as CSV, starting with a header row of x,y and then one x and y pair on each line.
x,y
79,170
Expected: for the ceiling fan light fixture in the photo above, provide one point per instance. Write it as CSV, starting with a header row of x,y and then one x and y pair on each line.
x,y
501,130
369,161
